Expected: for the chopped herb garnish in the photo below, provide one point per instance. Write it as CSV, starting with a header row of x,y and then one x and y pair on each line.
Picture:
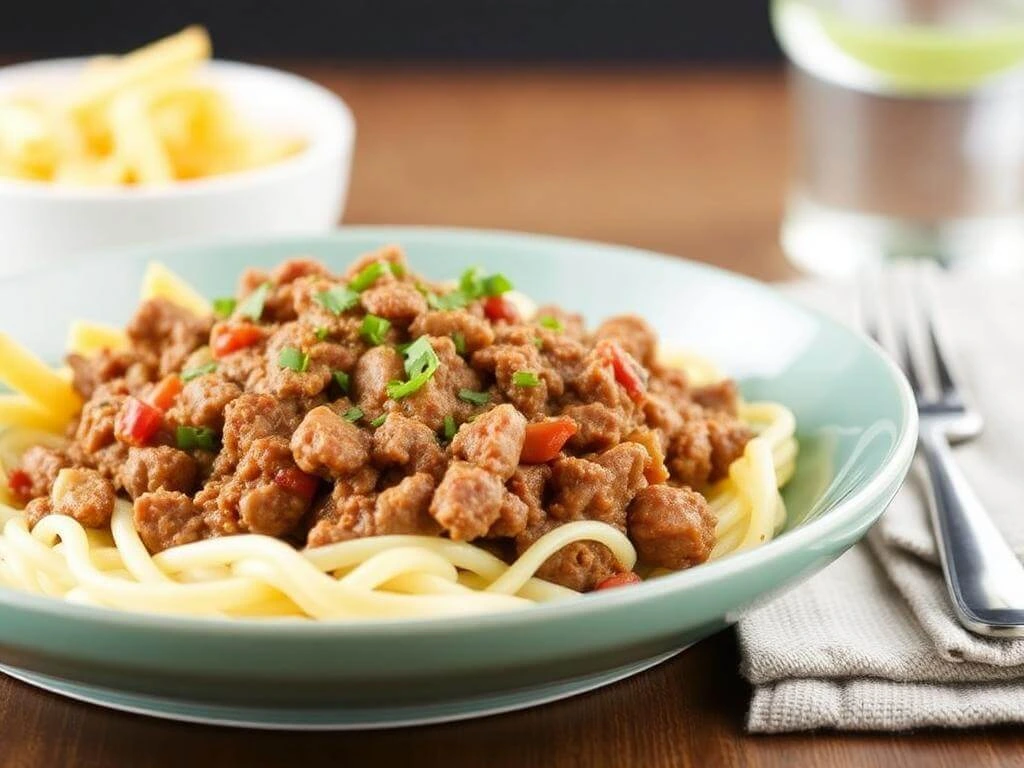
x,y
353,414
322,333
224,306
473,285
379,420
252,305
420,364
525,379
551,322
337,300
374,329
476,398
398,270
449,301
341,379
190,438
495,285
367,276
449,427
294,359
200,370
460,342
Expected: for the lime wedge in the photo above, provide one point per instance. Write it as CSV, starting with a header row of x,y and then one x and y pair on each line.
x,y
911,57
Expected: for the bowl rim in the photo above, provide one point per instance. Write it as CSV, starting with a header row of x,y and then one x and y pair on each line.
x,y
847,512
320,150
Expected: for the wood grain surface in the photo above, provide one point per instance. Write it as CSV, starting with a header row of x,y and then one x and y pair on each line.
x,y
681,162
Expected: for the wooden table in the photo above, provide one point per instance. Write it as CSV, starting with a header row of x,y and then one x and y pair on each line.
x,y
680,162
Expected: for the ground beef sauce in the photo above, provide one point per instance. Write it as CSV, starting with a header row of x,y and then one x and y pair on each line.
x,y
321,408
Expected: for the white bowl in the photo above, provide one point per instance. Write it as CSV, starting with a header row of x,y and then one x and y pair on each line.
x,y
43,224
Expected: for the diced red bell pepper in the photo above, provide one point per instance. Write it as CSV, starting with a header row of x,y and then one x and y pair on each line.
x,y
20,483
627,373
619,580
166,392
544,439
499,308
137,422
226,339
297,482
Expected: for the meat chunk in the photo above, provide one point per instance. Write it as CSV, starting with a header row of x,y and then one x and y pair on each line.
x,y
160,468
282,381
721,397
165,334
728,438
468,501
439,396
250,417
404,508
264,506
85,495
42,464
88,373
166,519
371,376
576,483
203,400
409,445
633,334
507,360
37,509
572,323
689,454
493,441
528,484
625,463
671,527
513,517
475,331
388,255
327,445
96,426
397,302
598,426
342,519
581,565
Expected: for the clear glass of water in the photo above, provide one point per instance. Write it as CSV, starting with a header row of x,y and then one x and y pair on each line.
x,y
909,119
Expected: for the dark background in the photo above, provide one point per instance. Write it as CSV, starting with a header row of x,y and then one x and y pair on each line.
x,y
585,31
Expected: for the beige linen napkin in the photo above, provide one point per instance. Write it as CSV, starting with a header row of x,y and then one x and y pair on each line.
x,y
871,642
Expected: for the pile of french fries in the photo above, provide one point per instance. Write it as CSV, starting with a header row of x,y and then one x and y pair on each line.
x,y
141,118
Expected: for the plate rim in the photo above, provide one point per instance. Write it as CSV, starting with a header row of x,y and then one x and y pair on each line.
x,y
843,515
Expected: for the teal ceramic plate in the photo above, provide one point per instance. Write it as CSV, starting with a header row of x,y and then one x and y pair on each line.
x,y
856,426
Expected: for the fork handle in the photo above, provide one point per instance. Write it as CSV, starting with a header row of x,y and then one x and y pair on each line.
x,y
984,576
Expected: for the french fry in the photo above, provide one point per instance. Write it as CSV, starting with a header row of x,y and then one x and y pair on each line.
x,y
172,54
136,142
87,338
19,411
25,373
160,282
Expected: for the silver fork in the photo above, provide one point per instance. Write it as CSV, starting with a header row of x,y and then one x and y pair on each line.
x,y
984,577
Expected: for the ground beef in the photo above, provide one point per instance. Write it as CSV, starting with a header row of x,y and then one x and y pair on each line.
x,y
88,373
439,397
404,508
633,334
625,463
159,468
42,464
85,495
671,527
720,397
325,444
248,418
528,484
371,376
493,441
284,382
505,361
342,519
263,505
468,501
37,509
96,425
166,519
407,444
388,255
513,517
728,438
399,303
575,483
203,400
581,565
164,334
572,324
476,332
598,426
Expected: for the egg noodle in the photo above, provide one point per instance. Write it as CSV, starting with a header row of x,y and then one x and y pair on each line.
x,y
250,575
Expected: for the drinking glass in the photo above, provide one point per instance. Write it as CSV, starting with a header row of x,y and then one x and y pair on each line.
x,y
909,127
